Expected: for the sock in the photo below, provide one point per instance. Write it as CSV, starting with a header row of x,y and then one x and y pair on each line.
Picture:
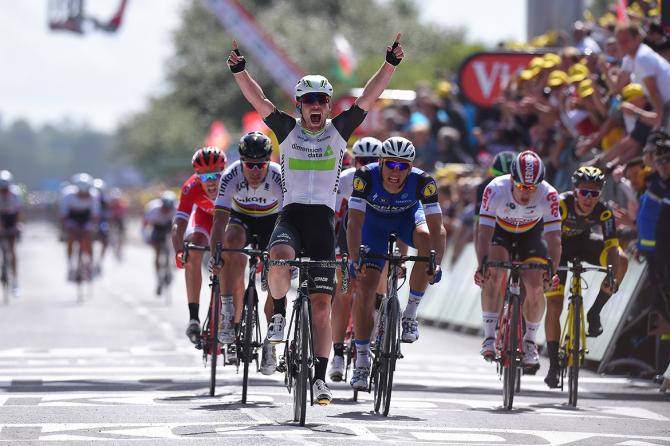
x,y
338,348
193,310
227,306
378,300
531,331
412,304
237,328
362,352
599,303
320,369
279,306
490,322
552,350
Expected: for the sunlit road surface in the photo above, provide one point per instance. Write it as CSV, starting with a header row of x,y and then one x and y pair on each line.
x,y
118,369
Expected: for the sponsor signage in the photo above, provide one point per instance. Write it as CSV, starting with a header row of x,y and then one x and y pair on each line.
x,y
483,76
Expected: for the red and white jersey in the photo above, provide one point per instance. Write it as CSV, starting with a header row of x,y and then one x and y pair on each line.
x,y
499,206
10,202
193,195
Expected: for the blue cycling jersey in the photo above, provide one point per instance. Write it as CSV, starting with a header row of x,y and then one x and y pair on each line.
x,y
369,192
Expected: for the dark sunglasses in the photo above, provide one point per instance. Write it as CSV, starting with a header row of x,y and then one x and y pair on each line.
x,y
588,192
523,187
253,165
401,165
311,98
366,160
205,177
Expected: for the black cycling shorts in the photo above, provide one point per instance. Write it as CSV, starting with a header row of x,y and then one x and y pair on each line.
x,y
341,241
310,229
159,233
587,247
261,227
528,244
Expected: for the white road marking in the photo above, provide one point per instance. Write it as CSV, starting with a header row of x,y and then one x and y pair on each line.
x,y
451,437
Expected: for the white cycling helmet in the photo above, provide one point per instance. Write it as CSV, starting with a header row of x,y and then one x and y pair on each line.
x,y
168,198
367,147
398,147
313,83
82,181
99,184
6,179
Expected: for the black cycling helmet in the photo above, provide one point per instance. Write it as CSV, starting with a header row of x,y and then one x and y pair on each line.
x,y
255,145
501,163
588,174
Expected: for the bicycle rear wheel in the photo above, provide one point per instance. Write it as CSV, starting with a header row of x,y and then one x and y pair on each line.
x,y
378,365
510,347
302,373
391,349
214,340
575,359
248,320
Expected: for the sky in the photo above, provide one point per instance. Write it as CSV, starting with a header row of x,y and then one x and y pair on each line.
x,y
100,79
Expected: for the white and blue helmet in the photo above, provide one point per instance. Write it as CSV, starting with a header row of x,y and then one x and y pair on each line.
x,y
367,147
398,147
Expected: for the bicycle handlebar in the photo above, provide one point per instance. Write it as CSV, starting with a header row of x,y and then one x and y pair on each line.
x,y
396,259
516,266
301,263
578,268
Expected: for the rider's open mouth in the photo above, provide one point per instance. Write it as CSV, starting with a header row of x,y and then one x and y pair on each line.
x,y
315,118
394,180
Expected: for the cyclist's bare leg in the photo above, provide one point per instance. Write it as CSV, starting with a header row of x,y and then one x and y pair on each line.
x,y
364,303
321,327
279,277
11,245
552,320
534,305
492,294
233,267
268,308
157,246
193,268
418,280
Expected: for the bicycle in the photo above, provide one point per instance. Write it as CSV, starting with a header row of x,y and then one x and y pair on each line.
x,y
4,271
509,349
573,350
386,350
83,273
298,359
248,339
164,273
209,340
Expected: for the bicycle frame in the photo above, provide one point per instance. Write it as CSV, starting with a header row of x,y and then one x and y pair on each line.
x,y
298,358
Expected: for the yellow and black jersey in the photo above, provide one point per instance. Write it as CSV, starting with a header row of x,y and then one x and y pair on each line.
x,y
574,225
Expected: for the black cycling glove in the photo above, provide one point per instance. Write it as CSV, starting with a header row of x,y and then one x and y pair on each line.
x,y
239,66
390,57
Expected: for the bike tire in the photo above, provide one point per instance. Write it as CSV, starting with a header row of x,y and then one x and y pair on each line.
x,y
391,350
248,318
510,349
573,371
302,375
378,367
214,340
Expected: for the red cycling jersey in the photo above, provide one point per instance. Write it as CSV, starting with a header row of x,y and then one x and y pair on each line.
x,y
193,195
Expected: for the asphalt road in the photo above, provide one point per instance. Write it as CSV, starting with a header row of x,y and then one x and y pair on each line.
x,y
118,369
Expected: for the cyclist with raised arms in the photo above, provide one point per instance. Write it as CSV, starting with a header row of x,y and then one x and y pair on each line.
x,y
581,211
249,200
10,216
365,151
157,223
522,209
193,223
311,151
391,197
79,213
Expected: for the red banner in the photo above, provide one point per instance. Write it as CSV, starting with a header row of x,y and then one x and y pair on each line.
x,y
483,76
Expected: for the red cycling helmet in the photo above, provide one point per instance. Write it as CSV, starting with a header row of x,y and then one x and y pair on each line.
x,y
527,169
208,158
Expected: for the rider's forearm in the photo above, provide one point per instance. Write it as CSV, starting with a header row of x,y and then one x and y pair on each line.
x,y
438,236
554,248
178,230
483,242
218,227
612,258
254,94
375,86
354,233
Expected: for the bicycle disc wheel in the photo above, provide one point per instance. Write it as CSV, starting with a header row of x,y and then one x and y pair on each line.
x,y
575,338
214,341
510,351
248,319
391,350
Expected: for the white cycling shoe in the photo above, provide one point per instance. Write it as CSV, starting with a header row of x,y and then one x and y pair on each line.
x,y
276,329
359,379
226,330
322,393
336,371
268,358
410,329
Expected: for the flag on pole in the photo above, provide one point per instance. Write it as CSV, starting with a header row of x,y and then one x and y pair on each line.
x,y
345,58
621,11
218,136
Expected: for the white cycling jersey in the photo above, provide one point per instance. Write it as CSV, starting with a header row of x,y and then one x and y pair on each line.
x,y
10,203
72,202
236,194
346,188
500,207
155,215
311,162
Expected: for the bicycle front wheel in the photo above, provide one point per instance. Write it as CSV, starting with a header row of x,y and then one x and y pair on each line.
x,y
248,319
510,347
214,340
302,367
575,359
391,350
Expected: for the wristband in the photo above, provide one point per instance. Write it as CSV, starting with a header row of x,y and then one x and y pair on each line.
x,y
239,66
179,260
390,57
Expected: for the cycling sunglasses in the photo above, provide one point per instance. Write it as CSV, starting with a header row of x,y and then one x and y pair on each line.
x,y
213,176
588,192
253,165
401,165
311,98
366,160
525,188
